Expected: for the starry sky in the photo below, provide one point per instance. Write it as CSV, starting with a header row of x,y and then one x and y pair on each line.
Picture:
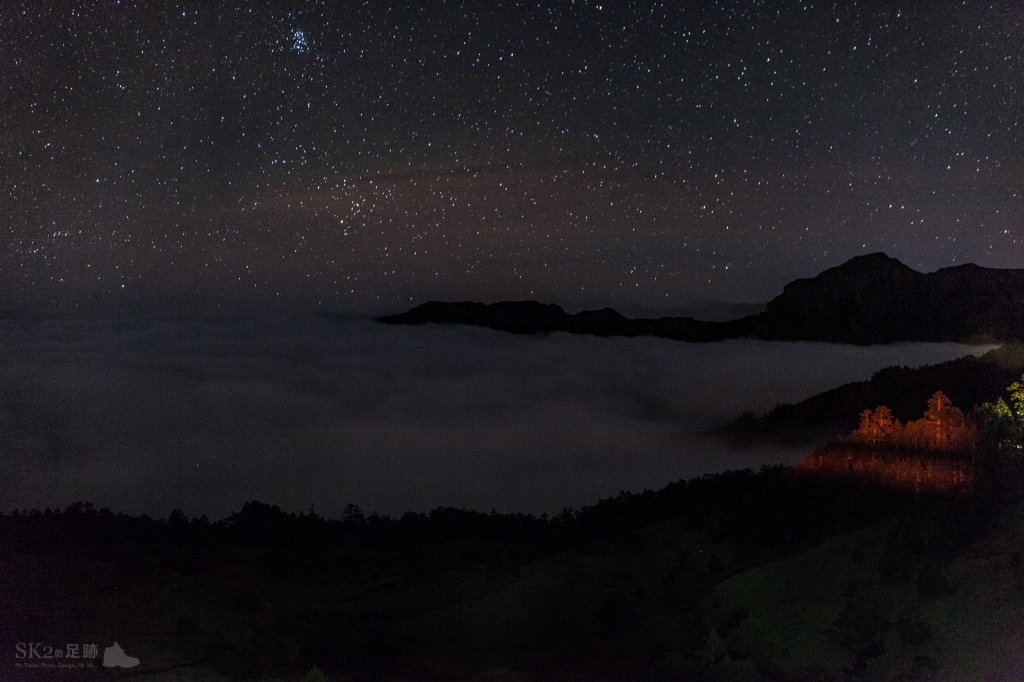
x,y
368,156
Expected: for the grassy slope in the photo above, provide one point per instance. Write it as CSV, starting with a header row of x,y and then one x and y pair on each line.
x,y
805,611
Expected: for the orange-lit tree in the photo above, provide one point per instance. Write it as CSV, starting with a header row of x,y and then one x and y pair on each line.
x,y
878,426
943,428
934,453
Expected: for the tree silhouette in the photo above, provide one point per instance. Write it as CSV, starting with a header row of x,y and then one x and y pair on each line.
x,y
1002,426
1016,390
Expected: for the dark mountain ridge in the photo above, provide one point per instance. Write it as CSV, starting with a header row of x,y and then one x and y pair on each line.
x,y
869,299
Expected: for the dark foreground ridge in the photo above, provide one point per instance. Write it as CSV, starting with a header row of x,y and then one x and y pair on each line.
x,y
673,584
869,299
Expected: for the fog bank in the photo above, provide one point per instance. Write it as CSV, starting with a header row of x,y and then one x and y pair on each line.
x,y
152,413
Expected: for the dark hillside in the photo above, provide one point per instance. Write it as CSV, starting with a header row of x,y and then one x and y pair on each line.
x,y
968,381
633,586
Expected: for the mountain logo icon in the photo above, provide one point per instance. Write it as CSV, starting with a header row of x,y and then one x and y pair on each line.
x,y
115,657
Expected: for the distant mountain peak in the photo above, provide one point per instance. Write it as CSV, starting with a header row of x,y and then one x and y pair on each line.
x,y
874,257
873,298
859,267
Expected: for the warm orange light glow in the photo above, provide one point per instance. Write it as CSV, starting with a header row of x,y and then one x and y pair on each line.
x,y
944,428
919,473
934,453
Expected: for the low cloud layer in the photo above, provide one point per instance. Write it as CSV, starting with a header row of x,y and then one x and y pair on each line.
x,y
149,414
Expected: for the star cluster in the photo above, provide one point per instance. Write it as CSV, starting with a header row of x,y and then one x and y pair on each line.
x,y
364,155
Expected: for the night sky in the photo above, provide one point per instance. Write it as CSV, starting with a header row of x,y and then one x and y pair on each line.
x,y
368,156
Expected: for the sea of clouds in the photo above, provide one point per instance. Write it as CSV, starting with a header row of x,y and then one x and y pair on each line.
x,y
152,413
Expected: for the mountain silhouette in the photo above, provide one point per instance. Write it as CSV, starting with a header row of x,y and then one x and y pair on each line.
x,y
868,299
